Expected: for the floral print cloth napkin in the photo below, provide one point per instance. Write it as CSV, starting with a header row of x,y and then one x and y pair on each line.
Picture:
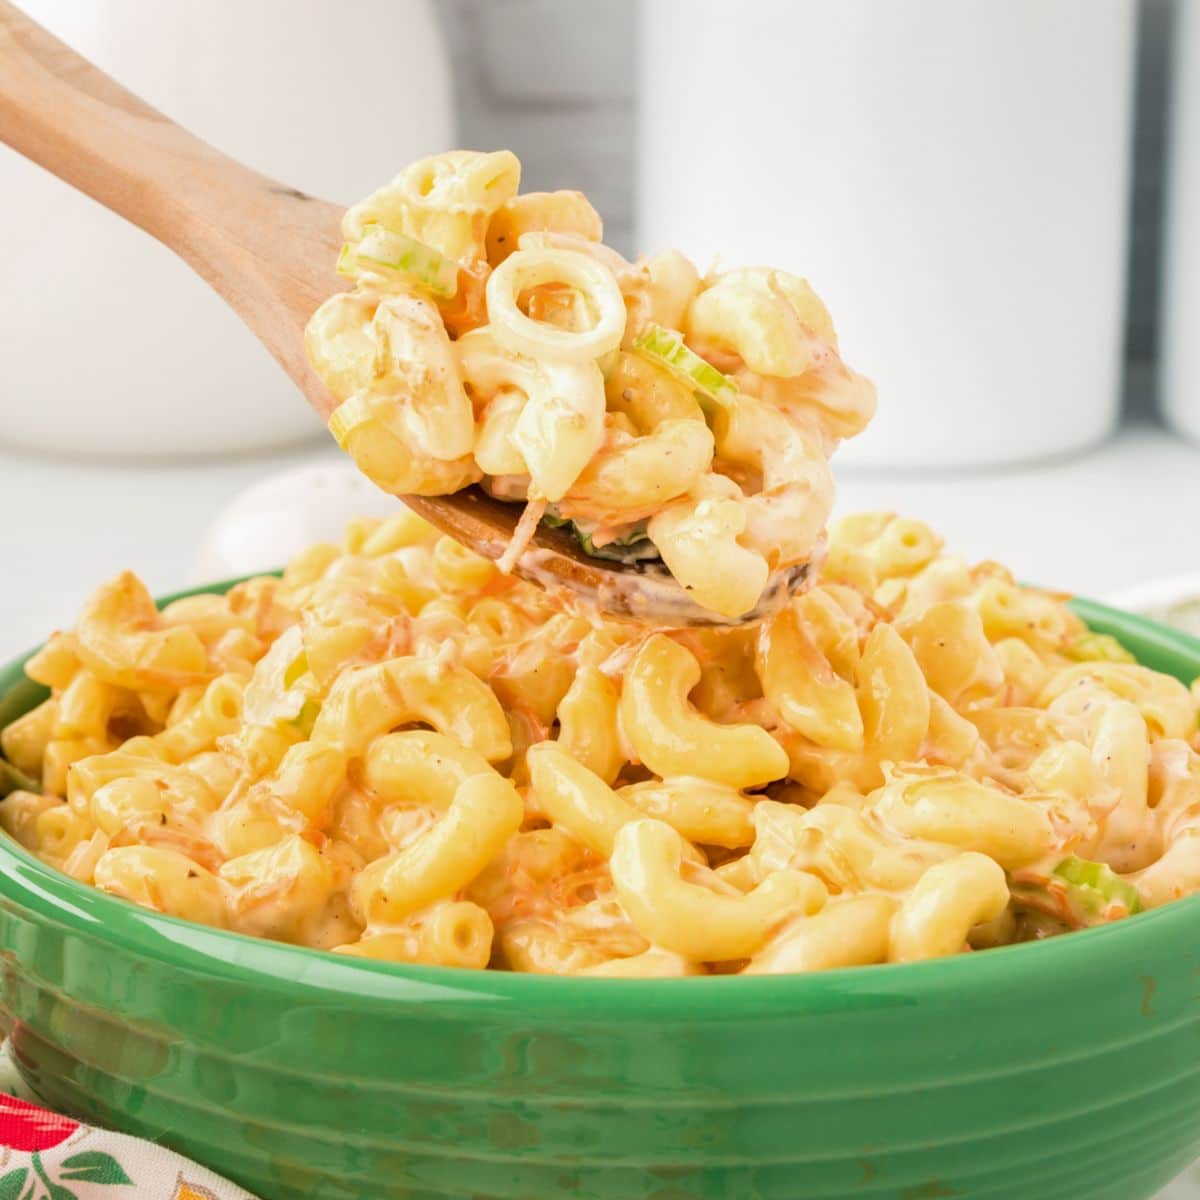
x,y
44,1156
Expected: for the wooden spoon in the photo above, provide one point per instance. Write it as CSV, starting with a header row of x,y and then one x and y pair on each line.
x,y
270,251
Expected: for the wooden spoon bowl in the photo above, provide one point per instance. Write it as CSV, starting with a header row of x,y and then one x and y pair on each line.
x,y
643,591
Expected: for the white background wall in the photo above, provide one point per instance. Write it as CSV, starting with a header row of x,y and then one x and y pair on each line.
x,y
553,80
556,81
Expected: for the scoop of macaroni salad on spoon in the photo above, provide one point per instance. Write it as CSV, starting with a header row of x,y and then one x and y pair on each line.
x,y
491,338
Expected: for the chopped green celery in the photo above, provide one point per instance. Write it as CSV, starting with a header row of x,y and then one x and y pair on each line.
x,y
306,718
1078,892
12,780
348,416
419,263
631,547
666,348
627,550
1098,647
1099,880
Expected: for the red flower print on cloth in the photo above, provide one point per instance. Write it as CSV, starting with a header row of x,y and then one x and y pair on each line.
x,y
26,1127
45,1156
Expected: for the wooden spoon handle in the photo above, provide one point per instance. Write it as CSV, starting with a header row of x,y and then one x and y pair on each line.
x,y
268,249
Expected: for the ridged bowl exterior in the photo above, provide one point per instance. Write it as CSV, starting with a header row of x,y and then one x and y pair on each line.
x,y
1040,1072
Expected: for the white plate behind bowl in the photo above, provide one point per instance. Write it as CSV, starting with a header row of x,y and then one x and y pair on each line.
x,y
1174,599
262,527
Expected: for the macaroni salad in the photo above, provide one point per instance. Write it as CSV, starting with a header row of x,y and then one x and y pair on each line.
x,y
396,751
492,338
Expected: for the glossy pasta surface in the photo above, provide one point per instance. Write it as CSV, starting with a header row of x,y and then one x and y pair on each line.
x,y
397,751
492,338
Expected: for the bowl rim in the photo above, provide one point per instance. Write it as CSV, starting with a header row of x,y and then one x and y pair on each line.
x,y
303,972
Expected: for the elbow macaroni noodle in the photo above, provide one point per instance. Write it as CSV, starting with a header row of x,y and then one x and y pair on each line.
x,y
493,338
396,752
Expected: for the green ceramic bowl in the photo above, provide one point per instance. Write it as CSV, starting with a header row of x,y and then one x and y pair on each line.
x,y
1058,1070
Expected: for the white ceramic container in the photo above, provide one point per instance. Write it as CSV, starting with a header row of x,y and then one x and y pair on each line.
x,y
951,176
1180,387
109,345
260,528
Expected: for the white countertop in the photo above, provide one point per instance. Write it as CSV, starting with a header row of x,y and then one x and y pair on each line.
x,y
1094,524
68,525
